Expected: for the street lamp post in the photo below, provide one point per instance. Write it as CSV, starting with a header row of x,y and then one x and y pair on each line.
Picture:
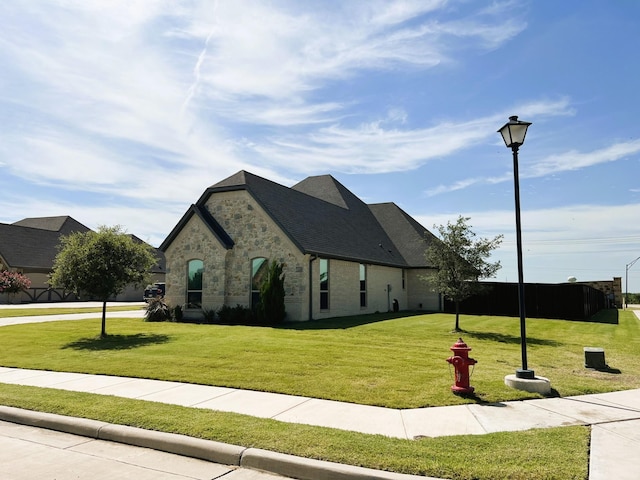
x,y
513,133
626,281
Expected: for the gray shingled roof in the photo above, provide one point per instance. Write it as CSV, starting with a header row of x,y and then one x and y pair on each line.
x,y
409,237
63,224
33,242
323,217
26,247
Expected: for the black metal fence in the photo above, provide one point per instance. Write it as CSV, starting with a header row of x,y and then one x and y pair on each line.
x,y
569,301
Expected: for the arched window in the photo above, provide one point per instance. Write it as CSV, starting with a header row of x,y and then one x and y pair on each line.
x,y
259,270
194,283
363,285
324,284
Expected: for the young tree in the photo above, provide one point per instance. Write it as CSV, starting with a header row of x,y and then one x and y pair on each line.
x,y
271,308
101,264
460,261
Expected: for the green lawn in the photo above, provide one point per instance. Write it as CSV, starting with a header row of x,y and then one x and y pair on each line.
x,y
397,362
377,360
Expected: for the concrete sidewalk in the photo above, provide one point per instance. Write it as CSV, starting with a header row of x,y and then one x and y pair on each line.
x,y
136,311
615,417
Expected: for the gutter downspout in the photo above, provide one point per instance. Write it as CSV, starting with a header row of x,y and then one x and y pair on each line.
x,y
311,260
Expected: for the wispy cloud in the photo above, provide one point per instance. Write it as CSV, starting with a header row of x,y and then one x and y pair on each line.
x,y
574,160
568,161
119,95
586,241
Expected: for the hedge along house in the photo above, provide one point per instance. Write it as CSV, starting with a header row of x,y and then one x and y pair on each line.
x,y
341,256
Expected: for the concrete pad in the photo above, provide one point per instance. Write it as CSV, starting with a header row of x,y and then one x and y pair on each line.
x,y
627,398
17,375
441,421
136,388
188,395
249,402
50,379
614,451
92,383
347,416
513,416
539,385
586,410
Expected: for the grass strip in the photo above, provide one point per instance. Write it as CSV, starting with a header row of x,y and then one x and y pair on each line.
x,y
555,453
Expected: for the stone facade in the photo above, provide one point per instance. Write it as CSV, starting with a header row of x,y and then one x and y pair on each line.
x,y
227,273
611,288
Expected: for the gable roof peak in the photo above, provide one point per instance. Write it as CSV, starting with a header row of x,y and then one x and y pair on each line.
x,y
327,188
63,224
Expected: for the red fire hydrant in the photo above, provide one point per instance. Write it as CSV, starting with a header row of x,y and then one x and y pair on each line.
x,y
461,362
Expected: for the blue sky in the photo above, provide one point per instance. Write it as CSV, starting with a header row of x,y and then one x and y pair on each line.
x,y
124,111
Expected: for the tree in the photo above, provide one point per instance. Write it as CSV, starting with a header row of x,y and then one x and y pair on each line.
x,y
101,264
461,262
271,308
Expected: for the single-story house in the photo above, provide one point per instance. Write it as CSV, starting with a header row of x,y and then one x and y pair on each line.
x,y
341,256
30,246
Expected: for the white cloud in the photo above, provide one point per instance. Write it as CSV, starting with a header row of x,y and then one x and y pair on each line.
x,y
588,241
574,160
118,95
568,161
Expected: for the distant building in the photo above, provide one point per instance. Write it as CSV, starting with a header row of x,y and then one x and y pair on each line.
x,y
611,288
341,256
30,246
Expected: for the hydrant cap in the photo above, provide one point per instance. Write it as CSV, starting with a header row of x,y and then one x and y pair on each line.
x,y
460,345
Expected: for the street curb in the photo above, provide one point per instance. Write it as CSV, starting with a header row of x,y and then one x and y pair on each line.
x,y
216,452
309,469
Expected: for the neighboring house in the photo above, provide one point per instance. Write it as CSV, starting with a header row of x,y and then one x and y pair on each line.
x,y
30,246
340,255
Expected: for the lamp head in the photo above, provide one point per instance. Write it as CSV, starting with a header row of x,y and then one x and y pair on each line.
x,y
513,132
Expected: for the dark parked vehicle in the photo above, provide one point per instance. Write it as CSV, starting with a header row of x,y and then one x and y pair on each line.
x,y
154,291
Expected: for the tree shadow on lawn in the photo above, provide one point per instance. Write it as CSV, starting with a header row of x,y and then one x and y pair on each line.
x,y
503,338
117,342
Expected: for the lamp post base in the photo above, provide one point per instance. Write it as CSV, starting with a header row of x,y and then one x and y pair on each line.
x,y
529,374
539,385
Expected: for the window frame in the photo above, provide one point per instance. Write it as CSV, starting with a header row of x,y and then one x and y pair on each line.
x,y
191,293
254,293
363,285
323,289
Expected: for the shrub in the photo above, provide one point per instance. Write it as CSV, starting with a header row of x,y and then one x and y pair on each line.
x,y
178,314
208,315
237,315
13,282
271,309
157,311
